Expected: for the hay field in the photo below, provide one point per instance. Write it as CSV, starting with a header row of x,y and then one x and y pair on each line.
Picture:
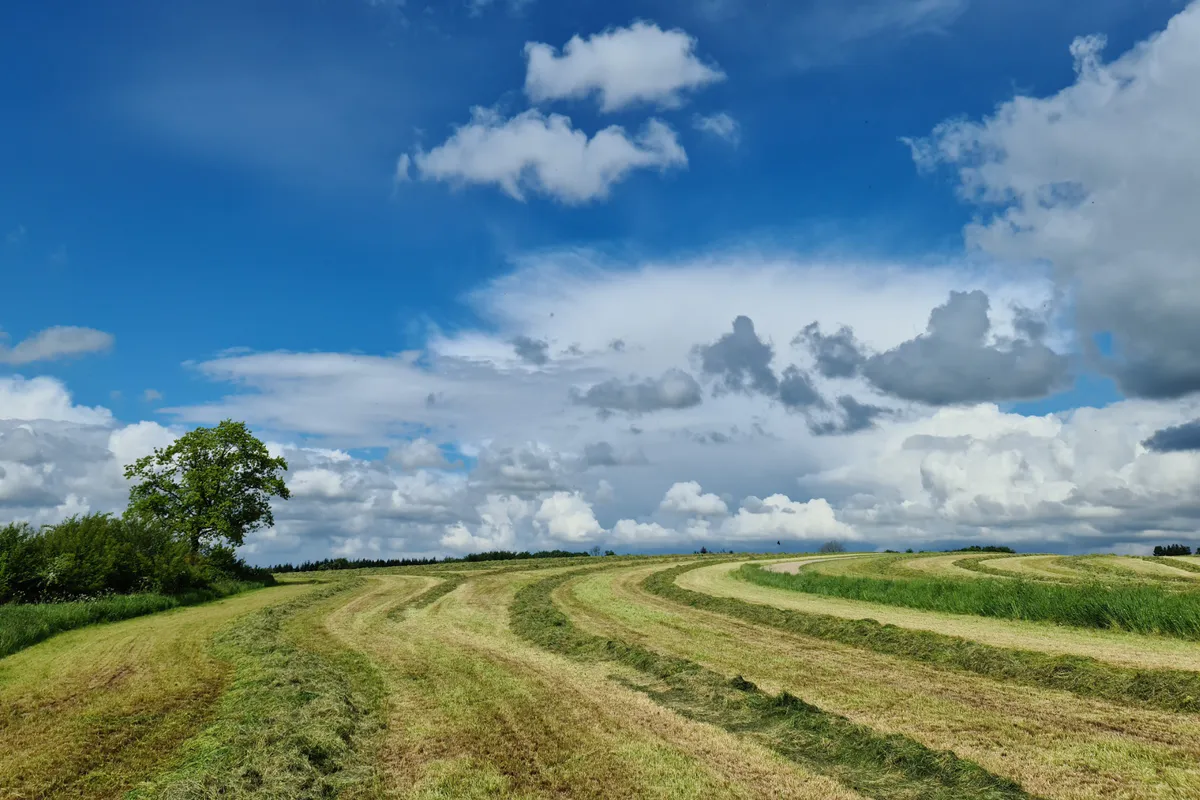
x,y
661,677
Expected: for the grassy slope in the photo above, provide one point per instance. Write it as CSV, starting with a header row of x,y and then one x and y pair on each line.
x,y
1170,690
91,711
879,766
1115,647
475,712
1055,744
299,719
22,625
1138,607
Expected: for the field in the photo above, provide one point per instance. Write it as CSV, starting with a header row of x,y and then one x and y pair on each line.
x,y
852,676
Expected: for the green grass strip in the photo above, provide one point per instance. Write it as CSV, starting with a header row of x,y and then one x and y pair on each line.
x,y
1171,562
1164,689
25,624
888,767
296,721
1136,607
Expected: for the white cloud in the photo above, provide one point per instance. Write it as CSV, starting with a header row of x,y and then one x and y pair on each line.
x,y
55,343
721,125
151,396
420,453
780,517
567,517
686,498
45,398
544,154
1101,180
624,66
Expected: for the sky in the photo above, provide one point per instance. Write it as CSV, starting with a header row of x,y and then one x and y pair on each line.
x,y
509,274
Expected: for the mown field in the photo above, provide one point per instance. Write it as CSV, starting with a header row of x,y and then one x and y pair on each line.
x,y
851,676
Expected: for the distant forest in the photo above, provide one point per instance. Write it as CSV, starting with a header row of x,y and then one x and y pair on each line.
x,y
363,563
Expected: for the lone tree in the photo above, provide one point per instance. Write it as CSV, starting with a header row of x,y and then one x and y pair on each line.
x,y
210,484
833,546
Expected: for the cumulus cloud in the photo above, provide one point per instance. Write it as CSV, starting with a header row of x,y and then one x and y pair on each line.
x,y
624,66
420,453
1177,438
544,154
741,360
51,344
952,362
780,517
720,125
686,498
531,351
567,517
675,389
1099,180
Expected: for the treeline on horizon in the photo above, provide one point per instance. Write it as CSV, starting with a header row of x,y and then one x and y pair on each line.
x,y
368,563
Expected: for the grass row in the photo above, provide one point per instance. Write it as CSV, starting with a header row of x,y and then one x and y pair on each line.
x,y
297,719
874,764
1166,689
1137,607
25,624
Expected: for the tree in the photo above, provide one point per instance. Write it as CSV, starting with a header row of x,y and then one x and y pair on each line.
x,y
210,484
1172,550
832,547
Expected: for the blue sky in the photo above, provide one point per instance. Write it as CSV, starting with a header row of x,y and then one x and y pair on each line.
x,y
203,181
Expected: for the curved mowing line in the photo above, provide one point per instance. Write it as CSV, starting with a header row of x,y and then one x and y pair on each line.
x,y
881,766
1165,689
1137,607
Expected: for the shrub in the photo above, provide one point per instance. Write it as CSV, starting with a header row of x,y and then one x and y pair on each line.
x,y
95,555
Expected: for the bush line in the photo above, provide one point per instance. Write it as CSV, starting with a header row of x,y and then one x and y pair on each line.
x,y
1135,607
876,765
1162,689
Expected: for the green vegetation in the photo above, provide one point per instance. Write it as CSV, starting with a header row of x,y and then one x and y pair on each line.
x,y
1138,607
209,486
381,563
1172,550
880,766
26,624
298,720
1168,689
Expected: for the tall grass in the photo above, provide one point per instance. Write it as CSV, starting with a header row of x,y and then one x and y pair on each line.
x,y
1137,607
23,625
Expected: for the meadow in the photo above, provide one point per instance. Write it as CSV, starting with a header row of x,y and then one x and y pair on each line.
x,y
952,675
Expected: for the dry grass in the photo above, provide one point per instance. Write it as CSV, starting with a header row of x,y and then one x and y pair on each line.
x,y
1116,647
949,565
91,712
1055,744
475,711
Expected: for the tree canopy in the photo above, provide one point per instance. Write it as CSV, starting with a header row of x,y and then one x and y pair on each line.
x,y
208,485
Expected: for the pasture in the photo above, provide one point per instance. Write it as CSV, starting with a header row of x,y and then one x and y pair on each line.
x,y
844,676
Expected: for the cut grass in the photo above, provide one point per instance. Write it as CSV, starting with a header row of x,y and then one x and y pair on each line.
x,y
475,711
1143,608
880,766
1170,690
298,719
26,624
1121,648
1055,744
93,711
